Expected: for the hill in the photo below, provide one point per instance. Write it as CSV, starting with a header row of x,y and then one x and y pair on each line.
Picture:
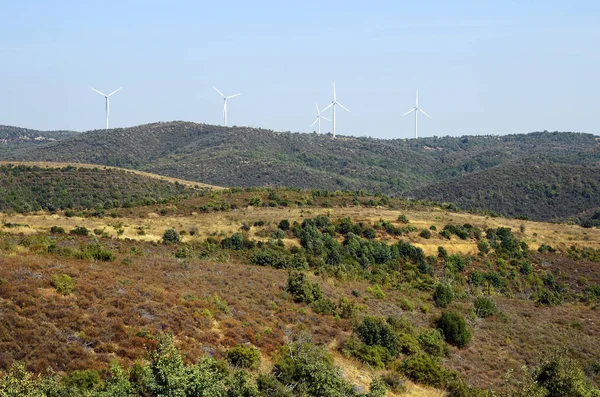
x,y
239,156
536,190
26,187
304,291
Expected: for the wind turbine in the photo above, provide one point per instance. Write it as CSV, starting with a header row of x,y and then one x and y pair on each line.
x,y
416,109
333,104
225,98
319,118
107,101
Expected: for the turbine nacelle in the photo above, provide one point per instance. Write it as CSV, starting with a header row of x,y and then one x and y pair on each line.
x,y
106,97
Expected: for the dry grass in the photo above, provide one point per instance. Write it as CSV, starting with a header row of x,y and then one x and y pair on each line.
x,y
225,223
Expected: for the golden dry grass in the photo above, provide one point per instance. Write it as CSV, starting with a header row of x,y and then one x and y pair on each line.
x,y
559,236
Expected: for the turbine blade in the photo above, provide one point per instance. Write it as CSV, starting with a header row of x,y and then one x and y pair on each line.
x,y
328,106
318,111
334,98
315,122
410,111
101,93
114,91
422,111
325,118
220,93
343,107
231,96
417,99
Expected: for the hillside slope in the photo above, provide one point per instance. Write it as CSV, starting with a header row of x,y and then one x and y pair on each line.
x,y
26,188
525,189
240,156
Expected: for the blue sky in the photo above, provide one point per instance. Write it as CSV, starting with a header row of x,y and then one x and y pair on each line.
x,y
481,67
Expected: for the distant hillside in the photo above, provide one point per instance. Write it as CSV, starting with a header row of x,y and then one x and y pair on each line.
x,y
13,135
31,188
240,156
525,189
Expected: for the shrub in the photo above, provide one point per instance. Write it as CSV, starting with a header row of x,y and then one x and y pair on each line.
x,y
408,344
376,291
425,234
302,289
284,225
64,284
432,342
171,236
82,381
376,331
244,356
235,242
561,376
422,368
369,233
402,219
57,230
485,307
454,328
80,231
407,305
376,356
395,382
443,295
95,251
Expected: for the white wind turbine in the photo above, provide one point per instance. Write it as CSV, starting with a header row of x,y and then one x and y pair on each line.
x,y
417,109
319,118
225,98
107,101
333,104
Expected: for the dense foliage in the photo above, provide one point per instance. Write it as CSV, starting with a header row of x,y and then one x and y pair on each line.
x,y
30,188
540,175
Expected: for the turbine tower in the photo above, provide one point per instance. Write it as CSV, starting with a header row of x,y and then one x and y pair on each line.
x,y
319,118
416,109
333,104
225,98
107,101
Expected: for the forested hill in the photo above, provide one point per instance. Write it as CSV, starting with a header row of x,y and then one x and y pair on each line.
x,y
240,156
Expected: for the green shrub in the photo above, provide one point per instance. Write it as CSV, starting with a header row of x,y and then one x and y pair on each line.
x,y
171,236
443,295
395,382
485,307
562,376
369,233
432,342
375,331
244,356
407,305
402,219
375,356
57,230
376,291
408,344
302,289
80,231
64,284
82,381
284,225
95,251
425,234
454,328
422,368
235,242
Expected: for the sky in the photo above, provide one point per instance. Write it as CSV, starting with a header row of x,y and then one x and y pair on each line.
x,y
481,67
